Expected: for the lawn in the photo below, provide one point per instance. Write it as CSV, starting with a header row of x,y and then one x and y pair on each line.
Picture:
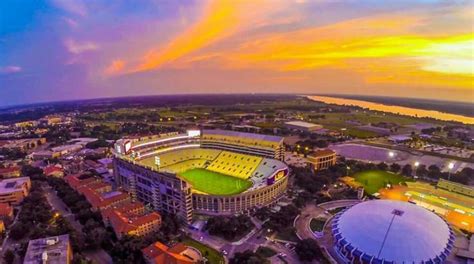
x,y
215,183
213,256
374,180
317,224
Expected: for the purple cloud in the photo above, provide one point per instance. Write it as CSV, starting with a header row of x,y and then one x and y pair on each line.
x,y
10,69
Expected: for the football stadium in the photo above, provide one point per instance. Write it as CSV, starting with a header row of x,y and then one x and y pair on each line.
x,y
208,172
385,231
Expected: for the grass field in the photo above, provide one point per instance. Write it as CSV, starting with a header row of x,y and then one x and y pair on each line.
x,y
213,256
374,180
215,183
317,224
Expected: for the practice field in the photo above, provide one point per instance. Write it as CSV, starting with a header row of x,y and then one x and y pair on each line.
x,y
215,183
374,180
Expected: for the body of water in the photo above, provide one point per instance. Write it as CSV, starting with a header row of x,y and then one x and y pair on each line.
x,y
401,110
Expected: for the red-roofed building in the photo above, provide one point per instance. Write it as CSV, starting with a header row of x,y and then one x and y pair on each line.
x,y
159,253
132,224
6,212
102,201
75,181
53,171
98,187
10,172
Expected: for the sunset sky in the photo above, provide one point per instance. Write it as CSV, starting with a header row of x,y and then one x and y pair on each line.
x,y
62,50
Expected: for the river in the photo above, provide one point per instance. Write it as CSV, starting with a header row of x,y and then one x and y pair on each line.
x,y
401,110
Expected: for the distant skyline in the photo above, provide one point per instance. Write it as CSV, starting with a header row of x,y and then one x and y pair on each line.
x,y
65,50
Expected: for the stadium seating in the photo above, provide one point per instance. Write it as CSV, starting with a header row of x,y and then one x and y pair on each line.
x,y
185,165
179,156
267,167
234,164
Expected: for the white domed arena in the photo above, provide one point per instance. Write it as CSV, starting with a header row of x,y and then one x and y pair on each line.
x,y
385,231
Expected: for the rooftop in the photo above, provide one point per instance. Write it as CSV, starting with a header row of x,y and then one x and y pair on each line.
x,y
55,249
302,124
13,184
393,231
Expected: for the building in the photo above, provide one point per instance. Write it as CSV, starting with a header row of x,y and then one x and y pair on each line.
x,y
53,171
385,231
44,154
303,126
24,144
14,190
150,170
321,159
66,149
10,172
97,193
456,187
159,253
50,250
6,212
130,223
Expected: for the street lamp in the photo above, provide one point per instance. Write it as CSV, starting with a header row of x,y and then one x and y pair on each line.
x,y
417,163
450,167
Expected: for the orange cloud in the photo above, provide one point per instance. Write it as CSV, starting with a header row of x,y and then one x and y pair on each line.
x,y
115,67
218,21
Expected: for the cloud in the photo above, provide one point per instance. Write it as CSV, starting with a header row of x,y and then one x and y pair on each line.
x,y
115,67
71,22
76,47
76,7
220,19
10,69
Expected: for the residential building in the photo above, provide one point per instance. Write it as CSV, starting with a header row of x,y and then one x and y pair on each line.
x,y
10,172
14,190
53,171
132,224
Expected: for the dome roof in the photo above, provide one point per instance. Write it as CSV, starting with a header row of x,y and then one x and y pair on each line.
x,y
386,230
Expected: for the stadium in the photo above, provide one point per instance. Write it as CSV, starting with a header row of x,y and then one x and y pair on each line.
x,y
384,231
208,172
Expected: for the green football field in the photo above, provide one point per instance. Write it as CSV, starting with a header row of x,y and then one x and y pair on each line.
x,y
215,183
374,180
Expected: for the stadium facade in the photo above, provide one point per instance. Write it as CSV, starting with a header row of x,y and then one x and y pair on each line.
x,y
156,170
385,231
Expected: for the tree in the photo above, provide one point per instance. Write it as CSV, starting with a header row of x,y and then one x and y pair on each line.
x,y
308,250
382,166
229,227
395,167
407,170
9,257
434,172
248,257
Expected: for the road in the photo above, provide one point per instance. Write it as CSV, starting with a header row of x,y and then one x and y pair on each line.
x,y
7,242
98,256
252,241
302,223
